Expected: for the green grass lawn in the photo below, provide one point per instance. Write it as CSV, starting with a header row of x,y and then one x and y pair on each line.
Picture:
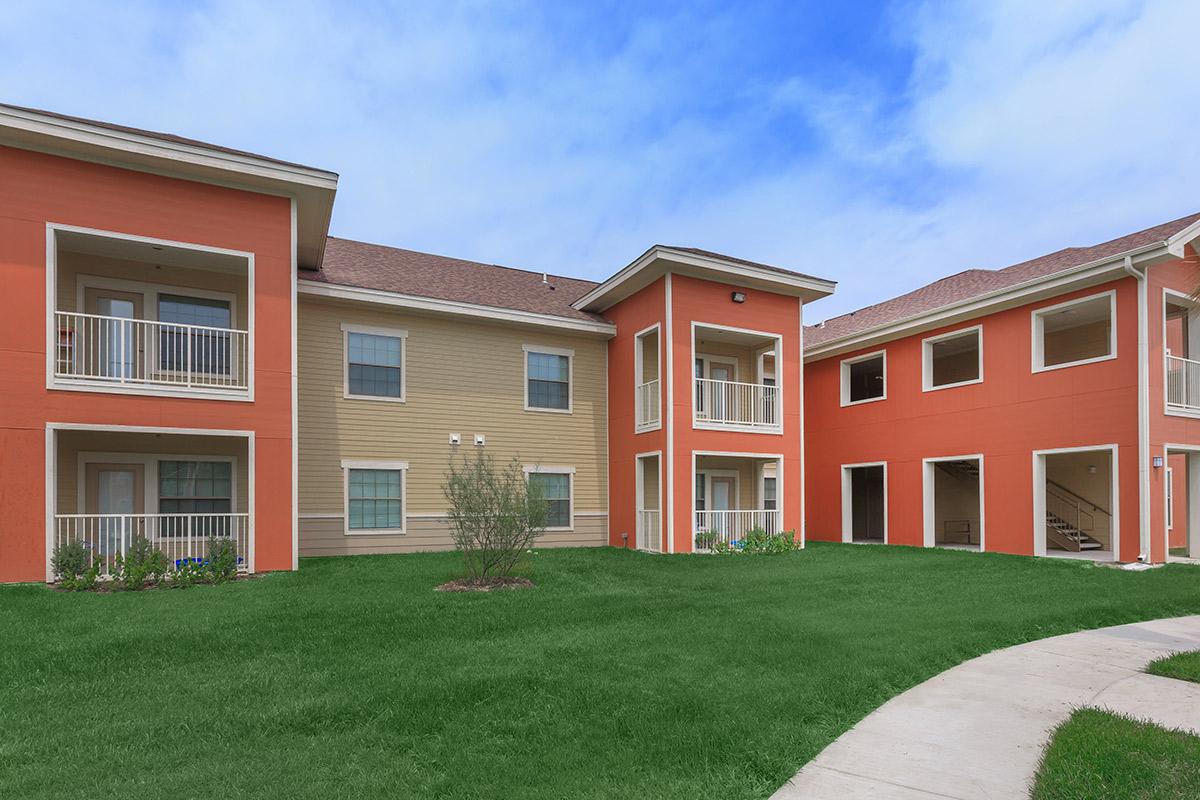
x,y
1106,756
1185,666
620,675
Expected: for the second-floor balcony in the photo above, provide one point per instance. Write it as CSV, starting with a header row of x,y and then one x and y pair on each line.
x,y
99,348
1182,383
147,316
751,405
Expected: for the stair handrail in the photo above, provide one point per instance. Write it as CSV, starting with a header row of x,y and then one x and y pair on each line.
x,y
1072,495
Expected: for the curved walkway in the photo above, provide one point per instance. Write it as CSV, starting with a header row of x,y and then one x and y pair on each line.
x,y
978,730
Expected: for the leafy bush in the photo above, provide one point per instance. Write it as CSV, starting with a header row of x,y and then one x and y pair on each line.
x,y
759,542
706,540
495,514
187,572
70,560
82,583
222,559
141,564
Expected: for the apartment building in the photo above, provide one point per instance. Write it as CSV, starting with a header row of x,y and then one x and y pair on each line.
x,y
190,354
1048,408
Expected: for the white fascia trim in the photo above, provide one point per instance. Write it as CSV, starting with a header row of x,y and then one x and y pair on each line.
x,y
319,289
1177,242
732,268
140,144
981,304
927,358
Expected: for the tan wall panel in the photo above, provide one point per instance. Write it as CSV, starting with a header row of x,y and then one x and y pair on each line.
x,y
462,377
325,537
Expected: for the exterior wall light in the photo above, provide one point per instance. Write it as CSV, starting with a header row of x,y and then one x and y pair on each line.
x,y
739,297
1158,462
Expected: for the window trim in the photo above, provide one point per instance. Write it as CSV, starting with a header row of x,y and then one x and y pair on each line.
x,y
370,330
1037,315
402,467
149,462
927,358
846,363
526,349
638,364
530,469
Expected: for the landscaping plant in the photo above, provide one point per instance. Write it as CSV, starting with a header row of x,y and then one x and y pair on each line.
x,y
495,514
222,559
142,564
759,542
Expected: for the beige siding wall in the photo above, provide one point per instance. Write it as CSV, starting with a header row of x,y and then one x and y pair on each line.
x,y
462,376
71,444
74,270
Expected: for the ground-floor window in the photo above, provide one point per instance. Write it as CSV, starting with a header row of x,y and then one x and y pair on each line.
x,y
375,496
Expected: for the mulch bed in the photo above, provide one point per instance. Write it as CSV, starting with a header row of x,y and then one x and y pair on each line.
x,y
485,584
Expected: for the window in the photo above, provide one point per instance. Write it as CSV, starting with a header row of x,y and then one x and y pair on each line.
x,y
374,363
769,499
953,359
701,495
375,496
195,487
208,349
556,489
1075,332
864,378
548,379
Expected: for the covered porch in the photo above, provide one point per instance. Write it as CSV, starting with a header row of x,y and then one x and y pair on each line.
x,y
734,495
108,487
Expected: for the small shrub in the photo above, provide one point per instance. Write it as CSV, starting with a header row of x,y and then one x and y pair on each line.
x,y
141,565
82,583
222,559
70,560
187,572
706,540
759,542
495,514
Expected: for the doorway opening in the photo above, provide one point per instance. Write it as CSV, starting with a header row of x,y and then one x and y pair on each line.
x,y
1074,503
954,502
864,503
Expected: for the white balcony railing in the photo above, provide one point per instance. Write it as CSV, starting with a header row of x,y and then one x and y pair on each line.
x,y
113,350
1183,383
732,526
649,530
740,405
178,536
649,403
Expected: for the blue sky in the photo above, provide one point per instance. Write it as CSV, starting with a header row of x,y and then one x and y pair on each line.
x,y
882,145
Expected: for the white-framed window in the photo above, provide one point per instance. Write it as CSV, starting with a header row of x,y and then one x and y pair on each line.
x,y
208,350
558,489
1081,331
548,378
864,378
374,361
952,359
375,496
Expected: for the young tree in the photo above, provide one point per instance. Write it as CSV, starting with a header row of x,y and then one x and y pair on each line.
x,y
495,514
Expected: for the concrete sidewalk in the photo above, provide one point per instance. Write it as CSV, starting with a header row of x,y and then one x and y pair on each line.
x,y
978,730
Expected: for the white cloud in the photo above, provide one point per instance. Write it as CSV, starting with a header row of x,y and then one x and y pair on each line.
x,y
491,132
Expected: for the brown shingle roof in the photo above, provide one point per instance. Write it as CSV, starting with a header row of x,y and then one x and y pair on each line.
x,y
976,282
392,269
166,137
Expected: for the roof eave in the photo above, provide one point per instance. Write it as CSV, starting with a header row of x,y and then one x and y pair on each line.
x,y
645,269
440,306
313,189
1025,292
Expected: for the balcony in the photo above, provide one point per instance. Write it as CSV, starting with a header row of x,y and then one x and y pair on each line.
x,y
180,537
648,402
732,526
734,495
148,317
1183,384
735,386
176,490
739,405
102,349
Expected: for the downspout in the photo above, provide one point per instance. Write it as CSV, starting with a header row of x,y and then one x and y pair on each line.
x,y
1143,413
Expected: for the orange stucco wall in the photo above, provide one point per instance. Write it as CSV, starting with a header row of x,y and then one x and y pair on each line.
x,y
1180,275
709,302
633,314
37,189
1012,413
